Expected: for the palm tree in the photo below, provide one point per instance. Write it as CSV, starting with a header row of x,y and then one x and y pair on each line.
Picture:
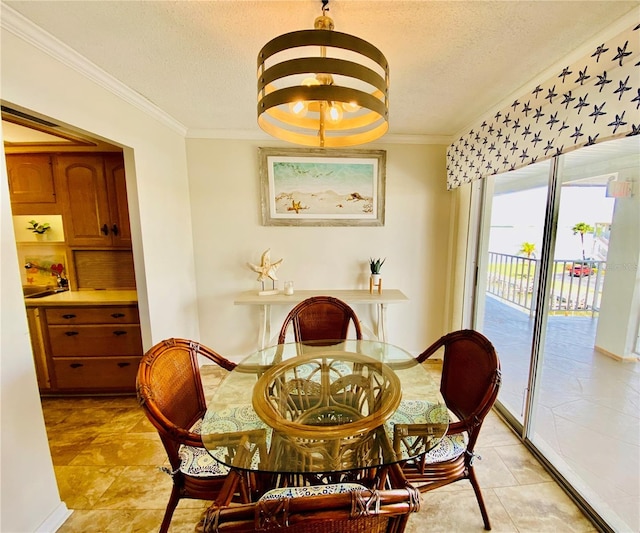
x,y
580,229
528,249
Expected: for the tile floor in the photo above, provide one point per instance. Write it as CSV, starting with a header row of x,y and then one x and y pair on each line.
x,y
106,456
588,403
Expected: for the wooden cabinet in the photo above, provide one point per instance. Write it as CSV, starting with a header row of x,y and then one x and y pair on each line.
x,y
31,183
117,193
38,347
94,197
92,349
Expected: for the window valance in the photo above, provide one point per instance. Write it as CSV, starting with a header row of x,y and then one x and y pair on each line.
x,y
593,100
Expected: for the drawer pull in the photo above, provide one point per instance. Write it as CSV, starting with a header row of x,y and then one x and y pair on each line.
x,y
104,229
68,316
71,333
76,365
117,315
122,365
119,332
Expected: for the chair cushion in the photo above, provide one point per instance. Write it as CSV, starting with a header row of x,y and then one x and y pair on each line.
x,y
450,447
416,412
197,462
420,412
315,490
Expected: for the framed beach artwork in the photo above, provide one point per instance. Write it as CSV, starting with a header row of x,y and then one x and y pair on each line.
x,y
315,187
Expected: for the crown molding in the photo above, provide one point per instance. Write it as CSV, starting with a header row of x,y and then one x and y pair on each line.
x,y
20,26
258,135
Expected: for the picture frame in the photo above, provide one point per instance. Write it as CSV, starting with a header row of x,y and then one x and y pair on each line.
x,y
317,187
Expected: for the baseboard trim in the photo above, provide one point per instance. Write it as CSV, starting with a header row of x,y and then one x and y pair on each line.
x,y
629,359
55,520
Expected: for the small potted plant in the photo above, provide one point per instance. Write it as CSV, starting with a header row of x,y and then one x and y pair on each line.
x,y
375,280
37,228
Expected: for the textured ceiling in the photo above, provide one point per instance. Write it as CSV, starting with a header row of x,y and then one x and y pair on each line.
x,y
450,62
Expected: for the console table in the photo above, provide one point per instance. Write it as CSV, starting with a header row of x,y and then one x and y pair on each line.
x,y
362,296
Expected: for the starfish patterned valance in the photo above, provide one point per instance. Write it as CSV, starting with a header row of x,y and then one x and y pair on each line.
x,y
593,100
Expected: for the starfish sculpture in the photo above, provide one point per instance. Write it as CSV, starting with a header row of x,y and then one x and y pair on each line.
x,y
266,269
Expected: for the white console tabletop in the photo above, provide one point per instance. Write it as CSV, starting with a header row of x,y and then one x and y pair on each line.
x,y
363,296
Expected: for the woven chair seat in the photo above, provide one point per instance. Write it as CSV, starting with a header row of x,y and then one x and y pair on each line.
x,y
315,490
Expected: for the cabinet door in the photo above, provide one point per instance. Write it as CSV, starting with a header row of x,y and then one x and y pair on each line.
x,y
118,205
87,220
38,347
31,179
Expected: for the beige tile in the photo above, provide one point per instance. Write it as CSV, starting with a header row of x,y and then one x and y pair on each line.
x,y
54,416
144,426
123,420
81,487
139,487
90,402
101,521
522,464
491,470
458,512
129,449
495,432
542,507
185,519
92,420
66,446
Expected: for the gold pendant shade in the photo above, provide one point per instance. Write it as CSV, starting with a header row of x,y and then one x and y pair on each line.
x,y
335,96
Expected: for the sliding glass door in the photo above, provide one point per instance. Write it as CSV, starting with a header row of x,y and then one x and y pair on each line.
x,y
560,298
512,235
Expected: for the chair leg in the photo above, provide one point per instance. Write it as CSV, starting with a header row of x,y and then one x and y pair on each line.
x,y
476,489
171,506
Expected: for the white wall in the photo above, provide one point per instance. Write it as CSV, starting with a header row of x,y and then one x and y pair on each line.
x,y
25,463
163,250
225,204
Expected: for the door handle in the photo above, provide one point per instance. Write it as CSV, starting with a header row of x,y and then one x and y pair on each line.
x,y
68,316
76,365
104,229
118,333
117,315
115,229
122,365
71,333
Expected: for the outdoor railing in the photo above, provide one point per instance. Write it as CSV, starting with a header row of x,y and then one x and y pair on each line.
x,y
576,286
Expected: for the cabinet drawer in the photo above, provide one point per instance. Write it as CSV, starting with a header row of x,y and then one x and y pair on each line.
x,y
96,373
93,315
80,340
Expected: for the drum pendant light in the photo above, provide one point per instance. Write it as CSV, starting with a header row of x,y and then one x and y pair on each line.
x,y
333,93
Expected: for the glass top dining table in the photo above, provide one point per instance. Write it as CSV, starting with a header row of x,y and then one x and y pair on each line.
x,y
330,406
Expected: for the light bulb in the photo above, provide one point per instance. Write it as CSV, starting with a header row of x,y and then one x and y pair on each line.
x,y
350,107
299,108
334,113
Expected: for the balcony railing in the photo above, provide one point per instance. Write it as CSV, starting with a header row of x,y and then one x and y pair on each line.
x,y
576,287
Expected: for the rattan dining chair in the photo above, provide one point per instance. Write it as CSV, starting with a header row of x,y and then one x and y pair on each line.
x,y
343,508
320,318
170,392
469,385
